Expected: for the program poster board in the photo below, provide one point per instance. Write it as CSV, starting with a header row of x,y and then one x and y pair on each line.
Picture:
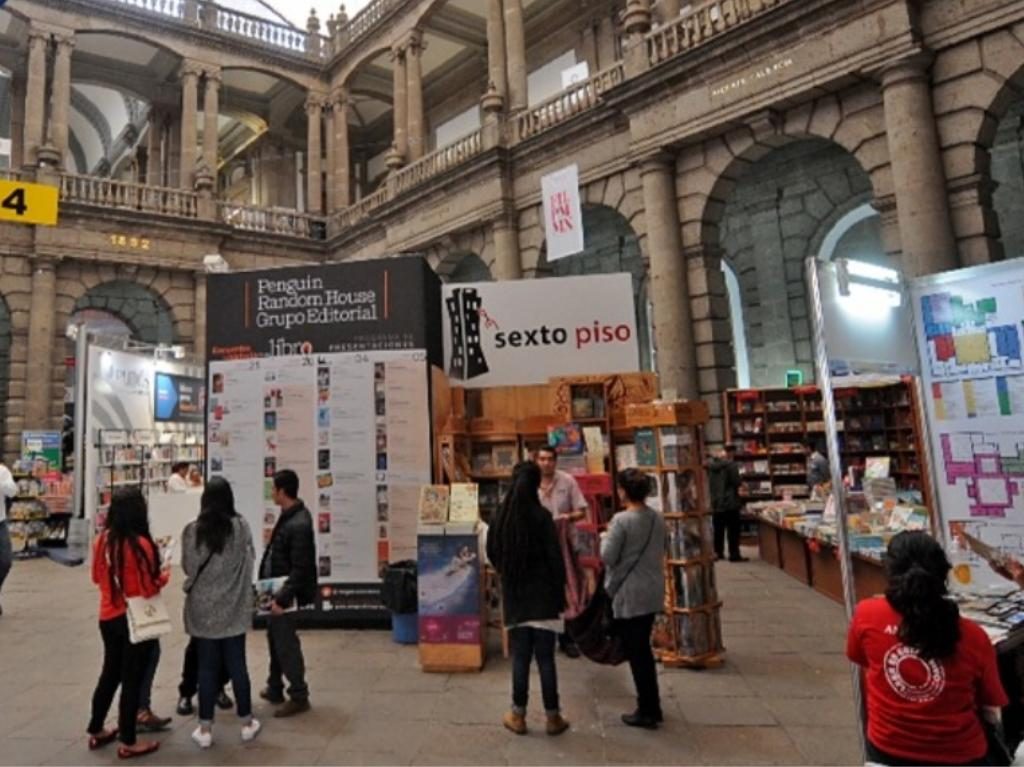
x,y
970,334
525,332
325,370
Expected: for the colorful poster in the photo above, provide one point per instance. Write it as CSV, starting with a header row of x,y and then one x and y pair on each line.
x,y
970,327
449,589
563,215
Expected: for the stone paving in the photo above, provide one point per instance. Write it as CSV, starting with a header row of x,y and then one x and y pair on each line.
x,y
783,696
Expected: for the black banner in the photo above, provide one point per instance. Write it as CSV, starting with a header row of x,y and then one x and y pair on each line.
x,y
392,303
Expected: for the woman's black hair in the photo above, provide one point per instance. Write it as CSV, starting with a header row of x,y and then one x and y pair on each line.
x,y
515,531
917,570
635,484
216,515
128,524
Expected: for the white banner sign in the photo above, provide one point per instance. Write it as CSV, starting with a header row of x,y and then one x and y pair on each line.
x,y
563,218
522,332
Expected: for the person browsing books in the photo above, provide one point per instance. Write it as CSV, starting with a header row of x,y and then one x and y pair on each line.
x,y
291,554
217,557
930,675
561,495
178,481
725,483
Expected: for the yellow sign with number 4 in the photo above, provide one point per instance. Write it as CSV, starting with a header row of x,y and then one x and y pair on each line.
x,y
25,203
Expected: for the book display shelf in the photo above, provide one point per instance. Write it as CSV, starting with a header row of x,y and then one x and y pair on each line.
x,y
40,513
670,448
878,420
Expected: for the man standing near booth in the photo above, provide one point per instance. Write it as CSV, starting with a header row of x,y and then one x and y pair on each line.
x,y
561,495
291,554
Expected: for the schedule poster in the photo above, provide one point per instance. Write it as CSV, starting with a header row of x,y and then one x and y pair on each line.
x,y
970,327
355,427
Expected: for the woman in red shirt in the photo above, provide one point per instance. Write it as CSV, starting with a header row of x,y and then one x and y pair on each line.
x,y
929,674
125,563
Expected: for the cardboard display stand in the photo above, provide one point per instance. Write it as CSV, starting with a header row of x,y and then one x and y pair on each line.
x,y
325,370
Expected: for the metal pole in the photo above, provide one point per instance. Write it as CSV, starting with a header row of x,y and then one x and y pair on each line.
x,y
828,407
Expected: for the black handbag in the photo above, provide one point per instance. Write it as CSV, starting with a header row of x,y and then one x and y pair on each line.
x,y
593,630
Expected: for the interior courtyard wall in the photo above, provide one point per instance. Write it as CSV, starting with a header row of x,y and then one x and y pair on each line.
x,y
1008,174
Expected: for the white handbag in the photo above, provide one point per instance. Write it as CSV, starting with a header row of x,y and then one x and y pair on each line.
x,y
147,616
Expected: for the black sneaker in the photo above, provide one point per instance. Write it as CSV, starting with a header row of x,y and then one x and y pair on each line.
x,y
224,702
636,719
268,695
185,707
738,559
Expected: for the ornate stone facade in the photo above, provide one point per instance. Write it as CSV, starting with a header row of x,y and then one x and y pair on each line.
x,y
737,130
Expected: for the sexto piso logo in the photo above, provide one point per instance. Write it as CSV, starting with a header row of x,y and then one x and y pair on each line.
x,y
468,359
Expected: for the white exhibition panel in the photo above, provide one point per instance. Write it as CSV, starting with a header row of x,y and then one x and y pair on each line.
x,y
169,513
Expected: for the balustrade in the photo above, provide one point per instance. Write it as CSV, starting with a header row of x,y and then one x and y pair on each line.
x,y
701,24
290,223
127,195
568,104
439,161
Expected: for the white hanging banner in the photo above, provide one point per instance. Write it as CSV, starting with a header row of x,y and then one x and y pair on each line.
x,y
563,217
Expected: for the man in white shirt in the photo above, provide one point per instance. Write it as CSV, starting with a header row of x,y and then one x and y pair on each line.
x,y
178,481
8,491
561,495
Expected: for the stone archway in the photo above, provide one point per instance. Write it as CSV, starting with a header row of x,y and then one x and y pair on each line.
x,y
610,245
469,267
1008,174
145,313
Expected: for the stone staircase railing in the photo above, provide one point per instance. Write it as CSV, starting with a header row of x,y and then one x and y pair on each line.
x,y
706,21
364,21
353,214
439,161
127,195
290,223
571,102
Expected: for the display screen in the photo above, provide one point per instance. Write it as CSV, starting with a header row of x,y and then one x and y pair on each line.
x,y
179,399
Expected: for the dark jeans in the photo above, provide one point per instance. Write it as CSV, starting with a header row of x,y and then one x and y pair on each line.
x,y
878,756
729,522
123,666
148,675
636,636
528,643
215,655
190,671
286,658
6,552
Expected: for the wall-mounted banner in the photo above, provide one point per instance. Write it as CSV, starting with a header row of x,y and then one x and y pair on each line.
x,y
524,332
563,217
352,307
179,399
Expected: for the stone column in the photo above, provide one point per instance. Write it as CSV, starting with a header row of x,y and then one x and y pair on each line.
x,y
508,262
341,170
199,317
515,44
41,333
17,121
589,35
401,113
314,154
211,111
496,47
154,148
35,95
606,53
414,73
189,113
60,99
669,289
919,180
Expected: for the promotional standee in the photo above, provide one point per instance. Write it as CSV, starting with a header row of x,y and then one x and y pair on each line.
x,y
325,370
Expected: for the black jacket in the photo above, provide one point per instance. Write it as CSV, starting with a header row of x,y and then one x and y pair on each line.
x,y
724,479
292,553
539,594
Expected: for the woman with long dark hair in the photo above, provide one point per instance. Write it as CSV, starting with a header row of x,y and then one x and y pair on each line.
x,y
218,557
522,544
125,564
929,673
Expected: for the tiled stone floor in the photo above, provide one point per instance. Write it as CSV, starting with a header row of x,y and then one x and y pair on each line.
x,y
783,696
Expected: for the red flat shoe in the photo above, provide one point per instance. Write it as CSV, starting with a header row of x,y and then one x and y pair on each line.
x,y
124,752
99,741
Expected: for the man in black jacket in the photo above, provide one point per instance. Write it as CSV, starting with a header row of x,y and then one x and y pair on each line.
x,y
291,554
724,480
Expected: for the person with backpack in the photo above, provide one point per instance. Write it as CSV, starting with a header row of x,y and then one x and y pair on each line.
x,y
633,551
218,557
523,547
8,492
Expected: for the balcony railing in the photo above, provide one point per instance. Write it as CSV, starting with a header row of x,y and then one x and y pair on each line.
x,y
364,21
126,195
353,214
439,161
290,223
699,25
571,102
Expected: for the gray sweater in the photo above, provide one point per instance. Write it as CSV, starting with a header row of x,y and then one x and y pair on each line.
x,y
643,591
219,600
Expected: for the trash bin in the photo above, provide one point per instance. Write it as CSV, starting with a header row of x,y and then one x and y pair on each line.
x,y
398,593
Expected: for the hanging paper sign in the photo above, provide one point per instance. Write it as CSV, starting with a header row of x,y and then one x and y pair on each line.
x,y
563,217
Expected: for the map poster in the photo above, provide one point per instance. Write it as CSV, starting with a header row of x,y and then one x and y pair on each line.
x,y
970,334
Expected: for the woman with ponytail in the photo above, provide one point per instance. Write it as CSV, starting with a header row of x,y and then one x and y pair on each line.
x,y
522,544
929,674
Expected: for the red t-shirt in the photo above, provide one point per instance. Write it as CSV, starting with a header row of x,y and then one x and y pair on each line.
x,y
136,581
926,711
